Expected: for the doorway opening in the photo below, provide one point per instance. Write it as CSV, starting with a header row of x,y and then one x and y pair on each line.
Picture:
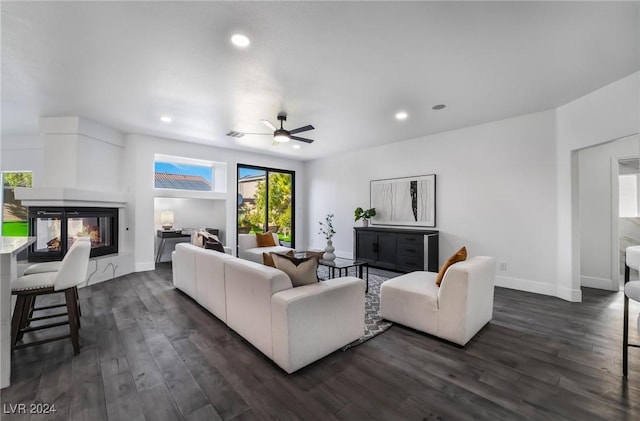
x,y
628,215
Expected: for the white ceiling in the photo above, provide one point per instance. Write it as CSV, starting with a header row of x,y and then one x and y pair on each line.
x,y
345,67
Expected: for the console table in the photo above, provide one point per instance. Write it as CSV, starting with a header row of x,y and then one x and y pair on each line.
x,y
399,249
164,234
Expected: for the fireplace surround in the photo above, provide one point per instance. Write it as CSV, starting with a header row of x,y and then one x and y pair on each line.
x,y
56,228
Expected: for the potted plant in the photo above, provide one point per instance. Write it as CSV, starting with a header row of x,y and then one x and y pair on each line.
x,y
326,229
365,215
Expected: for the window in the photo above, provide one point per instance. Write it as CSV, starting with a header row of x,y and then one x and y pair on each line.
x,y
15,221
178,173
266,202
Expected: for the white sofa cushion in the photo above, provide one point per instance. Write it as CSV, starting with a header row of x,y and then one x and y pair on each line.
x,y
411,300
255,254
249,288
210,280
312,321
184,269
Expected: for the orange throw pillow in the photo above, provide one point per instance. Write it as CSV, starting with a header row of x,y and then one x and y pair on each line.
x,y
458,256
267,259
265,240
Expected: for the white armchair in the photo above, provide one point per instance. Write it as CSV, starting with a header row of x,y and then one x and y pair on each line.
x,y
248,248
455,311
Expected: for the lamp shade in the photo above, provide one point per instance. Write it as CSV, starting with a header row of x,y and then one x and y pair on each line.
x,y
166,219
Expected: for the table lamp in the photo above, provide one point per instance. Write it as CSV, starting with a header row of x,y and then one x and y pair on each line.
x,y
166,219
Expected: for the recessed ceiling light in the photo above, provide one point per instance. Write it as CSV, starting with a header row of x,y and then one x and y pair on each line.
x,y
296,146
166,119
438,107
240,40
401,115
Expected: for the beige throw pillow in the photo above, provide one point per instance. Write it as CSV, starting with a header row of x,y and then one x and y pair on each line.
x,y
458,256
301,271
267,260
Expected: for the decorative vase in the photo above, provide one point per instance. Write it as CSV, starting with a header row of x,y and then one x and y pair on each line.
x,y
328,251
365,222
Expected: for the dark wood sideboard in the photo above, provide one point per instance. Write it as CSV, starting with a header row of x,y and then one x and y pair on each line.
x,y
399,249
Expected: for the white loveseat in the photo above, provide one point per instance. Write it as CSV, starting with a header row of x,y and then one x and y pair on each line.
x,y
292,326
455,311
248,247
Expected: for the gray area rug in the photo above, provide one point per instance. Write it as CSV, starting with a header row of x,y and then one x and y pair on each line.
x,y
374,324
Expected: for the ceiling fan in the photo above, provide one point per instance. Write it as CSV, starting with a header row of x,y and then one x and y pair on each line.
x,y
280,135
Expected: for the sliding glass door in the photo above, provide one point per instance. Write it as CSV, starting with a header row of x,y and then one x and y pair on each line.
x,y
266,201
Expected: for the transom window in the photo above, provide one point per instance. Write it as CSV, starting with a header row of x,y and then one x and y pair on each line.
x,y
177,173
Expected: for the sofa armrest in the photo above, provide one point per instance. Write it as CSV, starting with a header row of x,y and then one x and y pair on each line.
x,y
184,268
312,321
249,287
465,299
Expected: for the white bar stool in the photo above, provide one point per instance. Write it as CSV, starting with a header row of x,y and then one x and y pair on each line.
x,y
631,290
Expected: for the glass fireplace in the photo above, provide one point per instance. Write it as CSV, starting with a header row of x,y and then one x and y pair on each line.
x,y
56,229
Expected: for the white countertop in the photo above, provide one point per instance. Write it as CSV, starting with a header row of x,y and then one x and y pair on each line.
x,y
14,245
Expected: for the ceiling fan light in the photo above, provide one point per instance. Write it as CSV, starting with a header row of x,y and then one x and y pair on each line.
x,y
281,136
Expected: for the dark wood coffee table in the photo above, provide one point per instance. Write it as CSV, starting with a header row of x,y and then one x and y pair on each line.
x,y
344,264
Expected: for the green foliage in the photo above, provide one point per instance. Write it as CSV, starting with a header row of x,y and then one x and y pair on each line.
x,y
17,179
326,227
366,214
15,229
279,208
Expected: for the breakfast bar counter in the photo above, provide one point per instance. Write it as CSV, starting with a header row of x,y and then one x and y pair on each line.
x,y
9,249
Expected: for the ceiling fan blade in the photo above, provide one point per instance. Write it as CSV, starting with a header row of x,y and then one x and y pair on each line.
x,y
302,139
302,129
269,125
234,133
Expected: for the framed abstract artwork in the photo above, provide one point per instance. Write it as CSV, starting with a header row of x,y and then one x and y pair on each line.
x,y
409,201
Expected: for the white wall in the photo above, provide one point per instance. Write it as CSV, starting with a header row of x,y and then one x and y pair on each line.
x,y
140,151
609,113
495,193
23,153
597,194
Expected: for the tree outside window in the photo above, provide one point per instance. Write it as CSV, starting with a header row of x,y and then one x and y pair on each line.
x,y
14,215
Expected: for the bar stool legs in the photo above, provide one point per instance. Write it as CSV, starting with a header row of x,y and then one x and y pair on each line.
x,y
630,289
625,333
25,308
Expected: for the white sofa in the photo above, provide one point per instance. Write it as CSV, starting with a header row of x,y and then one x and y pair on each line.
x,y
292,326
455,311
248,248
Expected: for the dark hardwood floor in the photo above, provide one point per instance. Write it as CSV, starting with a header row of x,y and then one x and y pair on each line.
x,y
149,352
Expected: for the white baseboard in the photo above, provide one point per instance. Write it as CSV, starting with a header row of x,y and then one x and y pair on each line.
x,y
526,285
144,266
573,295
343,254
600,283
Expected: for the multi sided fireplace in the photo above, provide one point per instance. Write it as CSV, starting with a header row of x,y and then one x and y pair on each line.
x,y
56,228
